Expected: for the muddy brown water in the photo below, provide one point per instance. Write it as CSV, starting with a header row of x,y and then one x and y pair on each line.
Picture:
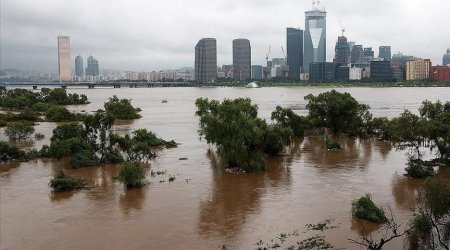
x,y
206,207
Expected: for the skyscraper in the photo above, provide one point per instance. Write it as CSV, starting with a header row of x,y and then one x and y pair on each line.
x,y
315,35
342,51
357,54
64,70
446,58
206,60
79,65
385,53
242,59
257,72
92,67
294,38
369,54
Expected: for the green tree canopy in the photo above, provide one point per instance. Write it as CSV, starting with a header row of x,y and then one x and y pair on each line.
x,y
339,112
240,136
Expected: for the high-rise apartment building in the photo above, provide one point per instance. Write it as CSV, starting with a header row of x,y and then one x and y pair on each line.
x,y
315,42
242,59
64,70
92,67
357,54
206,60
385,53
79,66
342,51
418,69
446,58
294,39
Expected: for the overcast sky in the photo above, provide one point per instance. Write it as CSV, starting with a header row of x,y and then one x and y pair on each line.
x,y
145,35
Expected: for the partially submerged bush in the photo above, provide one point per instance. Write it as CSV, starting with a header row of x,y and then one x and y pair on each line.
x,y
19,130
10,152
419,169
287,118
39,136
64,182
122,109
364,208
132,174
331,144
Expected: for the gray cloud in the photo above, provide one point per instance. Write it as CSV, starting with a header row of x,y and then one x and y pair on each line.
x,y
146,35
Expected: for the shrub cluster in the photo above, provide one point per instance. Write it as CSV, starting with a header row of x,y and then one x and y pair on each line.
x,y
63,182
364,208
132,174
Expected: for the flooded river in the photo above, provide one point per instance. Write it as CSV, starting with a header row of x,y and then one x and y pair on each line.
x,y
206,207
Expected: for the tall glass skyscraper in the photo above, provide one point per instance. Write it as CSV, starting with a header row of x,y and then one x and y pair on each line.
x,y
385,53
315,47
446,58
242,59
79,65
92,67
206,60
64,70
294,38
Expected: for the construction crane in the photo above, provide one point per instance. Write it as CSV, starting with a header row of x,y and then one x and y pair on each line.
x,y
342,28
266,69
285,68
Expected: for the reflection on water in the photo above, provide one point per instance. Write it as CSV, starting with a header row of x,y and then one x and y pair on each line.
x,y
235,196
132,199
363,227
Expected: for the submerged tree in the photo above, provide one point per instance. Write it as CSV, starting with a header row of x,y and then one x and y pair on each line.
x,y
19,130
287,118
430,226
239,135
121,109
339,112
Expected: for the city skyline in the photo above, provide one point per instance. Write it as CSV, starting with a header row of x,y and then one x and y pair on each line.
x,y
142,42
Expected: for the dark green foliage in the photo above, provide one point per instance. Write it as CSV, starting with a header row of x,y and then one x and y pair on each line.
x,y
339,112
45,151
10,152
407,132
26,115
121,109
276,138
93,142
57,113
18,99
39,136
132,174
436,117
84,158
22,98
430,226
59,96
330,144
381,127
63,182
239,135
287,118
364,208
19,130
419,169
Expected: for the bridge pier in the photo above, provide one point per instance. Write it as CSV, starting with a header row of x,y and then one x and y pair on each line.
x,y
117,86
35,87
64,86
91,86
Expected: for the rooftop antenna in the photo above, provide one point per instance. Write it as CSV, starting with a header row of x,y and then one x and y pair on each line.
x,y
342,27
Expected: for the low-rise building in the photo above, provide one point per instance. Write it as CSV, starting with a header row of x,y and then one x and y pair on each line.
x,y
418,69
440,73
